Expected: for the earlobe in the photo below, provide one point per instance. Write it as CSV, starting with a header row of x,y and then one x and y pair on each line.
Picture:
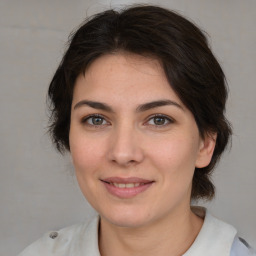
x,y
206,150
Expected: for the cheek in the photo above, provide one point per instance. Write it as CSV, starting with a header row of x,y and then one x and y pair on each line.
x,y
175,154
174,159
86,153
86,160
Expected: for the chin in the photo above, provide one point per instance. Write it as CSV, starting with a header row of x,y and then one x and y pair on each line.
x,y
127,223
127,219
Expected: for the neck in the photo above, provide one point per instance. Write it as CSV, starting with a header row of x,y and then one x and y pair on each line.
x,y
172,235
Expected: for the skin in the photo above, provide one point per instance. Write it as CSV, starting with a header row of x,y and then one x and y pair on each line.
x,y
125,143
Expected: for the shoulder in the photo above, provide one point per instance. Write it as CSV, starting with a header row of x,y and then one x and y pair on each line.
x,y
241,248
217,238
52,242
66,241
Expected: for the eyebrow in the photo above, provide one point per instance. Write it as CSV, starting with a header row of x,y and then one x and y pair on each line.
x,y
140,108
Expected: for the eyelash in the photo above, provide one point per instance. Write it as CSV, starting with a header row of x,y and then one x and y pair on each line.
x,y
170,121
85,119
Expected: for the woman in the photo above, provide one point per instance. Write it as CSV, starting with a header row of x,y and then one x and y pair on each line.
x,y
139,102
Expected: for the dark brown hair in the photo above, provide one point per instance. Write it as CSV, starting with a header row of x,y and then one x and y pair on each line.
x,y
183,51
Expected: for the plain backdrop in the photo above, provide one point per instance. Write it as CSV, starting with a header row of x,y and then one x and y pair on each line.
x,y
38,189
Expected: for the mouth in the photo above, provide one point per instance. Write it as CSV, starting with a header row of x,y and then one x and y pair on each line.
x,y
126,187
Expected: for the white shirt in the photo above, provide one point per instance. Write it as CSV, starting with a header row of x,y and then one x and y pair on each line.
x,y
216,238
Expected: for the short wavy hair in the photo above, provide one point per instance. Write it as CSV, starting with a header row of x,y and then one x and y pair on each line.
x,y
184,53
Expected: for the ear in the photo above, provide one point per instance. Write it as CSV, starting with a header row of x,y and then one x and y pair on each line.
x,y
206,149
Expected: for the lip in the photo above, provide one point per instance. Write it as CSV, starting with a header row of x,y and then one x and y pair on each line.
x,y
126,180
126,192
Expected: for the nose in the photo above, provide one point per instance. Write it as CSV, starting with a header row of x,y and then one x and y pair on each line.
x,y
125,146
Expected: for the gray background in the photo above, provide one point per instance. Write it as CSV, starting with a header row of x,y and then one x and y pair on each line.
x,y
38,191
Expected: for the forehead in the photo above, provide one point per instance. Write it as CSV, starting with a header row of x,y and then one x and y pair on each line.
x,y
135,62
125,76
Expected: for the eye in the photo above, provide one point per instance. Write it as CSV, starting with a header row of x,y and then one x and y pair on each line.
x,y
160,121
94,120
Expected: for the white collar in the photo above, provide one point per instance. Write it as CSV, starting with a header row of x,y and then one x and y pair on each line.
x,y
215,237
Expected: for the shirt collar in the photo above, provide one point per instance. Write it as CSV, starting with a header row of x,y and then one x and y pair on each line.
x,y
215,237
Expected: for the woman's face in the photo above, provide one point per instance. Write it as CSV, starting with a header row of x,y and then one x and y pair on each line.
x,y
133,143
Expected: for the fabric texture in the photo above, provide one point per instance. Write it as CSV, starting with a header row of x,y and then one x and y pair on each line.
x,y
241,248
215,238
